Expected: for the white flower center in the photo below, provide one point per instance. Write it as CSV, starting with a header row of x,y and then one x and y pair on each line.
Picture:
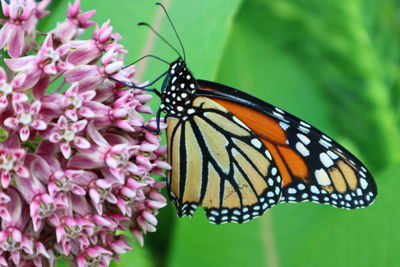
x,y
69,135
46,210
53,55
25,118
76,101
73,232
6,162
5,89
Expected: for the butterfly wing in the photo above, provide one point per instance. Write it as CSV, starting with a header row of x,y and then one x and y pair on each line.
x,y
219,163
313,167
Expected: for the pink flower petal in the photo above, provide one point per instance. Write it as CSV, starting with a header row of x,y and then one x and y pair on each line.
x,y
5,8
73,10
62,122
39,125
3,103
35,108
19,97
84,19
63,49
105,34
71,114
16,42
117,174
77,190
4,214
114,67
4,33
85,162
65,150
18,80
81,142
123,124
78,126
108,57
22,171
96,136
94,195
21,63
55,138
86,112
89,95
80,73
50,69
139,237
85,54
11,122
5,179
24,133
16,257
152,204
146,147
13,9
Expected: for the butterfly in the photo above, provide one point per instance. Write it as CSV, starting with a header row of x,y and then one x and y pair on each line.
x,y
237,156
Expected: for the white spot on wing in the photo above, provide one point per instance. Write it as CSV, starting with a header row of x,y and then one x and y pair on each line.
x,y
278,115
301,186
332,155
302,149
324,143
256,143
284,125
292,191
363,183
326,160
322,177
305,124
215,213
303,138
326,138
268,154
240,123
304,129
314,189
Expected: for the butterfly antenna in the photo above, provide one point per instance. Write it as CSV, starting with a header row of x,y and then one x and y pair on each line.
x,y
173,27
159,35
147,56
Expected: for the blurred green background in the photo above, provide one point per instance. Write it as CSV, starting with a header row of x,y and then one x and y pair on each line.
x,y
332,63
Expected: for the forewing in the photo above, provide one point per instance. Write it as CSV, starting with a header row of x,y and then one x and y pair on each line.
x,y
313,167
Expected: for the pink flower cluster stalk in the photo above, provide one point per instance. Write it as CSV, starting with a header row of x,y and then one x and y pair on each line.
x,y
76,166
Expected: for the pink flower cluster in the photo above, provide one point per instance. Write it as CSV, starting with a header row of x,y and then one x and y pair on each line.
x,y
77,161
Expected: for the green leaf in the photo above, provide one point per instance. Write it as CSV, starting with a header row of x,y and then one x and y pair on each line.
x,y
3,135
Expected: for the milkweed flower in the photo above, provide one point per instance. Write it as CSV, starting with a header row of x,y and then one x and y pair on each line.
x,y
78,165
22,17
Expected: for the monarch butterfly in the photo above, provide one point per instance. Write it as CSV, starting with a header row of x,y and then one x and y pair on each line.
x,y
238,156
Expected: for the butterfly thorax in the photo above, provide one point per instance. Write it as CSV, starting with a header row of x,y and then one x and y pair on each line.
x,y
178,90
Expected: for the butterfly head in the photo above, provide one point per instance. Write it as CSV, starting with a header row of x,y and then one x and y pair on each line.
x,y
178,89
